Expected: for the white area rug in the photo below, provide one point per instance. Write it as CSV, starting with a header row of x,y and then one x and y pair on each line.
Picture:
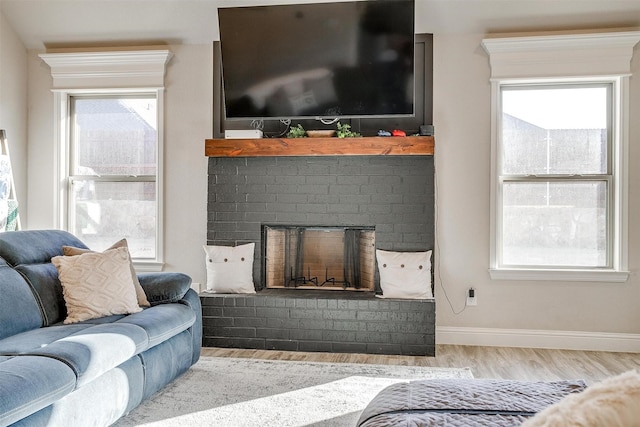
x,y
228,392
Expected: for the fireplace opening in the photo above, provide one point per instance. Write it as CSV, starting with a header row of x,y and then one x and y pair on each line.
x,y
318,257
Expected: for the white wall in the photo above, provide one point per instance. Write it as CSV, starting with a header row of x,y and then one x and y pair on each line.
x,y
461,119
13,106
41,153
189,121
462,123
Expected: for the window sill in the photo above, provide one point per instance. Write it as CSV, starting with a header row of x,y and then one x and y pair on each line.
x,y
147,266
614,276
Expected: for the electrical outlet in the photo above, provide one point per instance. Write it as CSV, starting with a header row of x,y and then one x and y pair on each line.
x,y
472,297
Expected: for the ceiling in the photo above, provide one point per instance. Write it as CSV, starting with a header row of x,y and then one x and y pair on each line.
x,y
50,24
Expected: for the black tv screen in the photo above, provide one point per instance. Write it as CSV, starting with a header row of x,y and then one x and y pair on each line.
x,y
323,60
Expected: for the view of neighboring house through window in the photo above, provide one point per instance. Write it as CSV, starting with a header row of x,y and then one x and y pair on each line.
x,y
113,165
555,176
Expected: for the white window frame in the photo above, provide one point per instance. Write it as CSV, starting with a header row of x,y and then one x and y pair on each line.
x,y
106,73
562,59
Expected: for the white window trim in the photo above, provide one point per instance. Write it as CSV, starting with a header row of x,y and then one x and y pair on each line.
x,y
107,72
566,58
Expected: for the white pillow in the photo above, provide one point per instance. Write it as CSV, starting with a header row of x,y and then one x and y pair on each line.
x,y
230,269
405,274
97,284
142,297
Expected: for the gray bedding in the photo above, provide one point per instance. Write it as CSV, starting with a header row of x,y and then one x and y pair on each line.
x,y
464,403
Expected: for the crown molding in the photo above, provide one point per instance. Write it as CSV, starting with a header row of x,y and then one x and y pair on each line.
x,y
143,68
565,55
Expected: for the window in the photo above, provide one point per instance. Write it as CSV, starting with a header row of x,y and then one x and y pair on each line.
x,y
108,118
112,179
554,178
559,150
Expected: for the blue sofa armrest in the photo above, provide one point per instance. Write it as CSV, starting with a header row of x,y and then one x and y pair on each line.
x,y
165,287
192,299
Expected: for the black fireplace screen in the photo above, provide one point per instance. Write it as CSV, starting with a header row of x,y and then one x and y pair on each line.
x,y
318,257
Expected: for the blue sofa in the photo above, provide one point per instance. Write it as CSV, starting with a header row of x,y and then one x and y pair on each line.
x,y
92,372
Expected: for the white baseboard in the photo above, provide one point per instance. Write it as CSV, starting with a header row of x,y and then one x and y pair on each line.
x,y
565,340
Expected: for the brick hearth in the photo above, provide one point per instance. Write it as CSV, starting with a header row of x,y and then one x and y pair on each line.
x,y
328,321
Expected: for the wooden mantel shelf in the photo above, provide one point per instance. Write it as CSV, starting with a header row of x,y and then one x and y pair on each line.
x,y
366,146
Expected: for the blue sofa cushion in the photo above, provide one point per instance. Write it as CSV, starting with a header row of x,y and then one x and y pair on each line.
x,y
162,288
162,322
30,383
19,310
43,279
90,350
99,403
35,246
35,339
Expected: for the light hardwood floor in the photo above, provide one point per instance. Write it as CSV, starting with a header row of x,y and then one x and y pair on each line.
x,y
526,364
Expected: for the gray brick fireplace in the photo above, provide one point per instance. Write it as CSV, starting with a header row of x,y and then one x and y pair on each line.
x,y
392,194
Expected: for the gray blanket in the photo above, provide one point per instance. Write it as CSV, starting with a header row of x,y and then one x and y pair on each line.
x,y
464,403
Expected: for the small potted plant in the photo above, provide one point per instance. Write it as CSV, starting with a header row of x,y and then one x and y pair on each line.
x,y
297,132
344,131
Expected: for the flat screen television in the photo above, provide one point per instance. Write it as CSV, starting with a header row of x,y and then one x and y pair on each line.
x,y
351,59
